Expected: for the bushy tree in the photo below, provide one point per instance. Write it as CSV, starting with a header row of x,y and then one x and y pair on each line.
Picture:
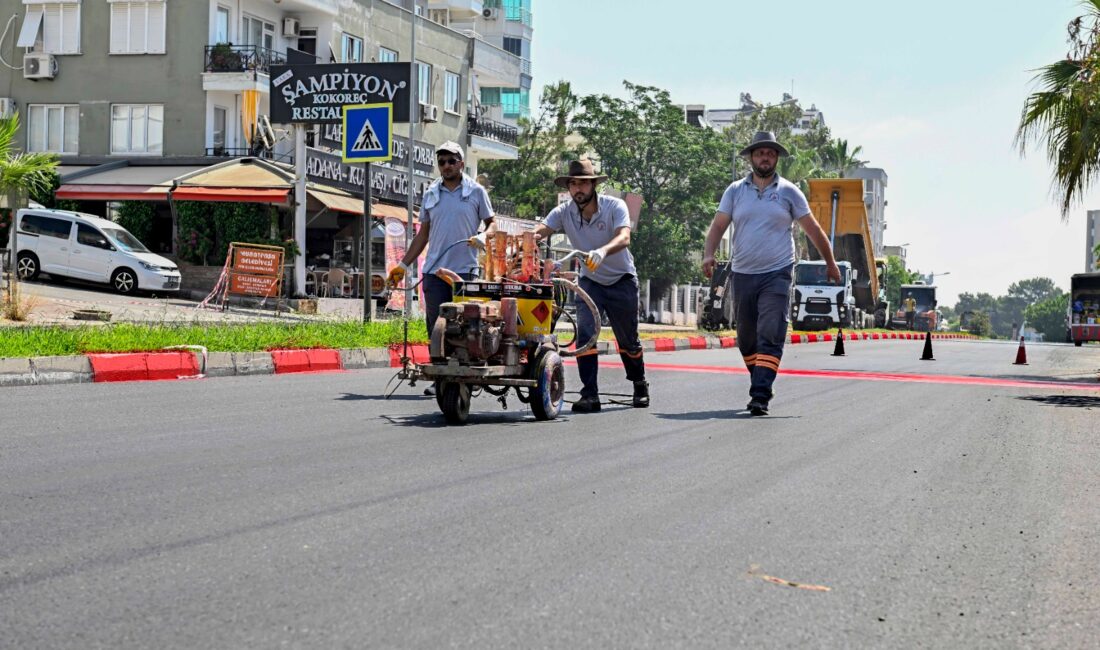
x,y
1049,316
543,152
645,146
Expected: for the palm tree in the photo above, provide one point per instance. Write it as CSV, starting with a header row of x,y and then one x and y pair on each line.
x,y
838,159
20,174
798,166
1063,115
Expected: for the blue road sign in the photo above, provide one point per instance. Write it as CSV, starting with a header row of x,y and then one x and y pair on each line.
x,y
368,133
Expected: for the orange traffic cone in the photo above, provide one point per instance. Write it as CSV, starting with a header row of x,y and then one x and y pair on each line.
x,y
838,350
927,356
1021,354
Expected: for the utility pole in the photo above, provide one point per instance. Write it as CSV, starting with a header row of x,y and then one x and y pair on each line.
x,y
414,120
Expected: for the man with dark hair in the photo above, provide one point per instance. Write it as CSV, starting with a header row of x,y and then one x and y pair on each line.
x,y
763,208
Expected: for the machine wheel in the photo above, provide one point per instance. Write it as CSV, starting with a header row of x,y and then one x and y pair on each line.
x,y
549,392
880,319
27,266
124,281
454,401
1078,343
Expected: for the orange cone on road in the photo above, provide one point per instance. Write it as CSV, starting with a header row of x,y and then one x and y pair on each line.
x,y
927,356
838,350
1021,354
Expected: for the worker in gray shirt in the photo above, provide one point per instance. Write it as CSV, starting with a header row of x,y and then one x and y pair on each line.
x,y
763,208
600,225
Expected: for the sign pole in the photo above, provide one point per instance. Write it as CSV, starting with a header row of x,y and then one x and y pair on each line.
x,y
300,209
414,118
368,231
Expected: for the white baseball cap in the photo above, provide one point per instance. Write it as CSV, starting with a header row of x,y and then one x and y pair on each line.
x,y
449,147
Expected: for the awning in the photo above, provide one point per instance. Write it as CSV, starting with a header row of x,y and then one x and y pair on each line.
x,y
230,194
121,182
401,213
337,202
83,192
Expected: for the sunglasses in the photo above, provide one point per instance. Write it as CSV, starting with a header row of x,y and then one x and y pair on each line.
x,y
443,162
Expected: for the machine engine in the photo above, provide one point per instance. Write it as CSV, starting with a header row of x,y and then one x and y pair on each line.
x,y
476,332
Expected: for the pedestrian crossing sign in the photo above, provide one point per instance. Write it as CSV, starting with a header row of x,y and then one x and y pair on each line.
x,y
368,133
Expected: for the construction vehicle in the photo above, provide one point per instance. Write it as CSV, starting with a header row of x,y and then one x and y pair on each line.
x,y
498,333
838,205
1084,308
820,303
927,316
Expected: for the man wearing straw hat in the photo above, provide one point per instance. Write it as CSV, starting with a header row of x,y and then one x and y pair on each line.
x,y
600,225
763,208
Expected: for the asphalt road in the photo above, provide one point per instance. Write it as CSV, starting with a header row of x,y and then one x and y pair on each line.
x,y
305,511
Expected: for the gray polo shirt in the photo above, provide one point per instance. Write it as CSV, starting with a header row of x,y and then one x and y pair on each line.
x,y
763,221
455,218
611,214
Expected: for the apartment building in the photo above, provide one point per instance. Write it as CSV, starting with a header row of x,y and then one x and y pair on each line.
x,y
186,81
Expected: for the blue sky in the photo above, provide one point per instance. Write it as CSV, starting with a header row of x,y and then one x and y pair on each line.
x,y
931,90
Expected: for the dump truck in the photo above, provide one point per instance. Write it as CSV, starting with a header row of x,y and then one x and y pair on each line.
x,y
838,205
1084,308
927,317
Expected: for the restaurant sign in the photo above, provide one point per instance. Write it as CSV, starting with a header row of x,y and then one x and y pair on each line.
x,y
317,93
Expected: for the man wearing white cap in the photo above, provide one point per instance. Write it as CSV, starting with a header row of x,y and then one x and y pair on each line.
x,y
451,212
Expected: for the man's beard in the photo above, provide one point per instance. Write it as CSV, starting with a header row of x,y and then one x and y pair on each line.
x,y
761,173
585,199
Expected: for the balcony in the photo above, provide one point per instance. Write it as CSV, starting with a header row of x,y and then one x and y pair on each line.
x,y
238,67
492,130
459,9
225,57
489,140
496,67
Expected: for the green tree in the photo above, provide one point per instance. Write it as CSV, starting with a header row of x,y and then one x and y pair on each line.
x,y
527,181
644,145
976,322
1049,316
837,158
21,174
980,303
1062,115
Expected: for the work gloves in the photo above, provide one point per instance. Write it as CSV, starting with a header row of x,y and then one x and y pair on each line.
x,y
594,258
478,240
397,274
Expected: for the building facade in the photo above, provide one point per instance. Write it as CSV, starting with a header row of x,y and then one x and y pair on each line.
x,y
101,80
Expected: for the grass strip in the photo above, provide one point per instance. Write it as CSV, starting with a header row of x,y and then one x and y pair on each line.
x,y
246,337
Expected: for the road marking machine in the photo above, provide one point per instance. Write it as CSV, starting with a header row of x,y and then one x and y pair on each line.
x,y
498,333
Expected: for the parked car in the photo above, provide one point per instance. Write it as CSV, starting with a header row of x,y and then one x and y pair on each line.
x,y
86,247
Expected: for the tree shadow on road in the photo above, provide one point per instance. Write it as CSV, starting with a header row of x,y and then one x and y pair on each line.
x,y
728,414
1071,401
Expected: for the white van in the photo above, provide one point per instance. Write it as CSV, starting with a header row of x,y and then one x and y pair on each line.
x,y
85,247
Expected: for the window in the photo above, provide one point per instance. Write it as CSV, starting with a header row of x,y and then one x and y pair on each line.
x,y
53,128
386,56
89,236
424,82
137,128
52,27
138,27
221,25
351,48
450,92
307,40
513,45
38,225
258,32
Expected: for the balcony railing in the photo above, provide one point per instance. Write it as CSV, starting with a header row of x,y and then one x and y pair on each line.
x,y
225,57
493,130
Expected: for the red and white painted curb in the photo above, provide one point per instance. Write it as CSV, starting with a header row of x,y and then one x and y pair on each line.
x,y
194,362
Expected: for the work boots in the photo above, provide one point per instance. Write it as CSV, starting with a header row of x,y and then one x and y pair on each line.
x,y
641,394
587,405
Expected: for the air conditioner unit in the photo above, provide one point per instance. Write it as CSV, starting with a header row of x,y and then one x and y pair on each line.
x,y
429,112
291,27
490,13
39,65
7,107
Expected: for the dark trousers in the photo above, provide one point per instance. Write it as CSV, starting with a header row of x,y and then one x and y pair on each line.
x,y
910,319
620,301
437,292
763,305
